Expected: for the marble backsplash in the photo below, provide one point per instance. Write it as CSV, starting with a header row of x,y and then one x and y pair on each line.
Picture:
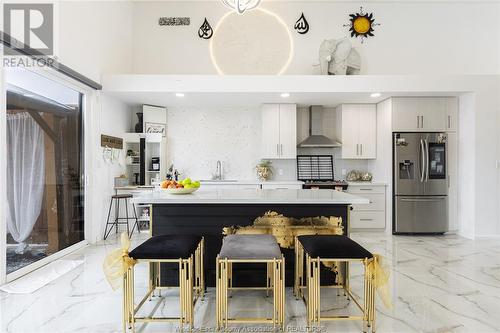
x,y
198,138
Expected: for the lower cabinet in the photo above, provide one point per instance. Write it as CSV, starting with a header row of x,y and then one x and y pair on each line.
x,y
372,215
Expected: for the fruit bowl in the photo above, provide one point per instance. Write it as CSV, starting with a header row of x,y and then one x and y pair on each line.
x,y
180,190
184,186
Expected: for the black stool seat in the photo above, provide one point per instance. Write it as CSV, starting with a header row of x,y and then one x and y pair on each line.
x,y
333,247
167,247
122,196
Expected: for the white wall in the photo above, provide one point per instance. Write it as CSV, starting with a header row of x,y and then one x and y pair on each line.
x,y
110,117
415,37
381,168
95,37
466,149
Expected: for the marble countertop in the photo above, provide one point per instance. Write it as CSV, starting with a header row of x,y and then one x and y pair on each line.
x,y
253,197
251,182
375,183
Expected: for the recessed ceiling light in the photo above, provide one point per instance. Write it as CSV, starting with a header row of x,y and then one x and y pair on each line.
x,y
28,95
285,95
179,94
375,95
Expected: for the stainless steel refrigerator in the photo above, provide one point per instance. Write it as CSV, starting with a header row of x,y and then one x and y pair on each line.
x,y
420,179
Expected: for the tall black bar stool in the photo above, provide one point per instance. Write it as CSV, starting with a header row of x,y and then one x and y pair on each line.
x,y
118,219
187,251
248,249
315,250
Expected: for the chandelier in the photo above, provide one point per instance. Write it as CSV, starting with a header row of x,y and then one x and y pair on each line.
x,y
240,6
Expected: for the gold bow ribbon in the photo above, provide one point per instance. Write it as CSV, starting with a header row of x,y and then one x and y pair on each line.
x,y
379,270
117,262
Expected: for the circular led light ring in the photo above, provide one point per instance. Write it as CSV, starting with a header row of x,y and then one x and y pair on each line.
x,y
279,19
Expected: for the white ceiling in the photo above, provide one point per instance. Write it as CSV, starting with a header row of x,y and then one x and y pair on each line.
x,y
197,99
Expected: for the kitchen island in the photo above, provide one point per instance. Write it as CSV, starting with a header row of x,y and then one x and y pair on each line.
x,y
206,213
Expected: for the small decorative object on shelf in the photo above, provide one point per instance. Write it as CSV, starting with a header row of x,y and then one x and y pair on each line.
x,y
138,126
170,172
130,157
366,177
353,176
359,176
264,170
121,181
338,57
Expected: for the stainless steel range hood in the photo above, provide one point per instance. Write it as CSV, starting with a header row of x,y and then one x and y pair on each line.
x,y
316,139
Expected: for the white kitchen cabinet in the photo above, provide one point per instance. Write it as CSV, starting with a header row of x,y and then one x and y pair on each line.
x,y
451,114
424,114
372,215
359,131
279,131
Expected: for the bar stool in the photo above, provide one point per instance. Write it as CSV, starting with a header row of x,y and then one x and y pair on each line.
x,y
116,198
324,249
250,249
188,253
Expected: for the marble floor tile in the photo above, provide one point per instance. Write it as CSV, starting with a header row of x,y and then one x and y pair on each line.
x,y
438,284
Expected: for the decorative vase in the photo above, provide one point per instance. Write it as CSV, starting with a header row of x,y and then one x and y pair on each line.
x,y
263,172
138,126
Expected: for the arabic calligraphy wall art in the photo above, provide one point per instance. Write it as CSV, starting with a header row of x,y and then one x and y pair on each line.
x,y
302,26
205,31
174,21
361,24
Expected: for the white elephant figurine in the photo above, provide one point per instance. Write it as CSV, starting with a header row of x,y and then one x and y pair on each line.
x,y
338,57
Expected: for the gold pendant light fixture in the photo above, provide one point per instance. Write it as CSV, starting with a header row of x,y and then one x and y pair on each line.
x,y
240,6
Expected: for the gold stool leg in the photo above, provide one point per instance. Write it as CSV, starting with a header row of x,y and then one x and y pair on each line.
x,y
225,290
181,294
217,293
190,294
283,293
308,286
318,290
125,301
131,305
373,307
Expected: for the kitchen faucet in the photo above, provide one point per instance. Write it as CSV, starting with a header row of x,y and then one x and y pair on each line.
x,y
218,171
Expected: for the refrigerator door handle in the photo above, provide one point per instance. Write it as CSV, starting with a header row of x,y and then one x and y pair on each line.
x,y
421,156
427,160
435,199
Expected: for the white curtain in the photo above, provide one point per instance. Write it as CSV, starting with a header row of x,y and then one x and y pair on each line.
x,y
25,175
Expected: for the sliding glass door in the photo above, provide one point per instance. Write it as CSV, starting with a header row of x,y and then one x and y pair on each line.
x,y
44,185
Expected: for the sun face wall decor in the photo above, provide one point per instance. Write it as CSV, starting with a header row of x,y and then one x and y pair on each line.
x,y
361,24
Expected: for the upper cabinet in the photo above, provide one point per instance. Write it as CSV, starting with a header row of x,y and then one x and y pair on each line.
x,y
424,114
359,130
279,131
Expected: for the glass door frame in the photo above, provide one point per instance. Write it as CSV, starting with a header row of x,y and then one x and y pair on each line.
x,y
88,104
